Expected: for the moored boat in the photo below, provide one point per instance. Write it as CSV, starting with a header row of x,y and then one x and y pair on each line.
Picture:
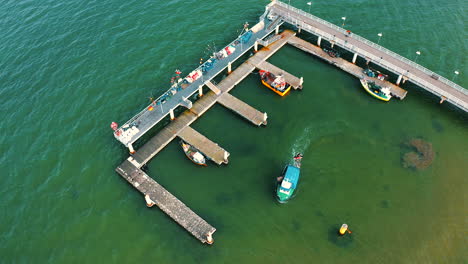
x,y
193,154
275,83
382,93
287,182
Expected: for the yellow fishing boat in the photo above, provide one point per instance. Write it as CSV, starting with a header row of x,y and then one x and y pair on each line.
x,y
275,83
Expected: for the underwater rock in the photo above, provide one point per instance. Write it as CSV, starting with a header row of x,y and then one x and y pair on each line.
x,y
421,157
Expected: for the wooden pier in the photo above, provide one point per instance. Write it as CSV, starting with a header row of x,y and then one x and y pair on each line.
x,y
130,169
372,52
167,202
345,65
275,15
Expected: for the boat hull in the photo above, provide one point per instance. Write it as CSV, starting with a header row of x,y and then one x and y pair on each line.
x,y
191,152
276,91
287,184
267,78
366,87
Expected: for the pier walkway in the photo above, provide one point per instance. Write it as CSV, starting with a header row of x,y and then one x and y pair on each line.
x,y
167,202
177,95
345,65
372,52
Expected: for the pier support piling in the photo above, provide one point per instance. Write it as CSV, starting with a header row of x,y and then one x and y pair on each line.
x,y
399,79
209,239
277,30
229,68
354,58
442,99
200,90
319,40
171,113
130,148
256,46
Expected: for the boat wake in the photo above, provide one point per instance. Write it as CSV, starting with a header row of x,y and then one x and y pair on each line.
x,y
314,132
302,142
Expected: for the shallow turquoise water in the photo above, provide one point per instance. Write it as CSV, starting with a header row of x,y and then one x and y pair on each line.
x,y
69,68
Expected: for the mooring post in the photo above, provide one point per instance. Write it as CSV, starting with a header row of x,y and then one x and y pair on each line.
x,y
130,148
319,40
200,90
209,239
256,46
354,58
229,68
277,30
171,112
399,79
442,99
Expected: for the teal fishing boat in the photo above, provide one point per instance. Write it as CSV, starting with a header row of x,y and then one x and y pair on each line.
x,y
287,182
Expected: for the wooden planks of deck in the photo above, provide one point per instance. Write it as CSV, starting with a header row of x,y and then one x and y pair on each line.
x,y
248,112
167,202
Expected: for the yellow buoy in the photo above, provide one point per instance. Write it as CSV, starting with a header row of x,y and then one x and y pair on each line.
x,y
344,229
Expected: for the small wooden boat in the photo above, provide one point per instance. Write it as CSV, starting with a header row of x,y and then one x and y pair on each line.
x,y
287,182
376,91
193,154
331,52
275,83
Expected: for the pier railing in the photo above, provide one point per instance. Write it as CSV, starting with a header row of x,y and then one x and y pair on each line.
x,y
288,17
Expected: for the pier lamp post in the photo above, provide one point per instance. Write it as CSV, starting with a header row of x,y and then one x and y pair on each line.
x,y
417,55
344,19
380,35
309,4
455,75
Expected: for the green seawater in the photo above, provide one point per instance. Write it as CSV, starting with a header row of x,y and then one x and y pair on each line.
x,y
70,68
